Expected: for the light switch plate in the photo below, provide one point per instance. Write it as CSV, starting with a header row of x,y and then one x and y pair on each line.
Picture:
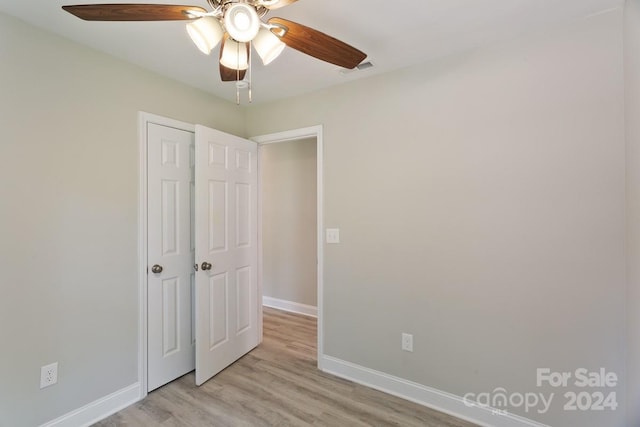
x,y
333,235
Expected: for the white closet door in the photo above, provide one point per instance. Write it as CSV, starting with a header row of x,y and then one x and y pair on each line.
x,y
171,254
226,250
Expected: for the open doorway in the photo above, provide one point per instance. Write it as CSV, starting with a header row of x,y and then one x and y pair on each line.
x,y
290,222
289,219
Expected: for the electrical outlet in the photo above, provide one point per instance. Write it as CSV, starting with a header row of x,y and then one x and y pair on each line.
x,y
407,342
48,375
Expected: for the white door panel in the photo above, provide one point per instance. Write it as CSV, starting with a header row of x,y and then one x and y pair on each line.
x,y
171,347
226,237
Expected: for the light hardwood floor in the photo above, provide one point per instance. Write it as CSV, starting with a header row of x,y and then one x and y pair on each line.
x,y
277,384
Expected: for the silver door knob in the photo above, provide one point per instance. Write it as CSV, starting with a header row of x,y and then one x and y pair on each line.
x,y
157,269
206,266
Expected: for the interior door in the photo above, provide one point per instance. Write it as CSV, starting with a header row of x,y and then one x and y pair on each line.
x,y
226,250
171,254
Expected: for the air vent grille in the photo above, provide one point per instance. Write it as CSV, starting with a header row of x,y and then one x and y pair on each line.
x,y
362,67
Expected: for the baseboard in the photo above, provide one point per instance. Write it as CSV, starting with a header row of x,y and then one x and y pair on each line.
x,y
98,409
293,307
423,395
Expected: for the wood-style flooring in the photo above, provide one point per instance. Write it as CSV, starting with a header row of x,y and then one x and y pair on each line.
x,y
277,384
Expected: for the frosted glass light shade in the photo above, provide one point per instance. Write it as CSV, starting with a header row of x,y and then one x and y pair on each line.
x,y
242,22
234,55
206,33
268,45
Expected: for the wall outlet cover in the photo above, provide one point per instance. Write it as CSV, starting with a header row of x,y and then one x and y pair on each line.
x,y
48,375
407,342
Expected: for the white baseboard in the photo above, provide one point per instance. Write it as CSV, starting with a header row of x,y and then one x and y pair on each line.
x,y
423,395
98,409
293,307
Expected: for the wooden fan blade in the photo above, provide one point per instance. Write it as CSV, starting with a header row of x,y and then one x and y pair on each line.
x,y
317,44
133,12
230,74
280,3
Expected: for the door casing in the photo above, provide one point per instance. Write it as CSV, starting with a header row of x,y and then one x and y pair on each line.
x,y
293,135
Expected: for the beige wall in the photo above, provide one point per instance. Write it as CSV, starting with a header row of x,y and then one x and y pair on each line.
x,y
632,92
481,202
288,176
68,220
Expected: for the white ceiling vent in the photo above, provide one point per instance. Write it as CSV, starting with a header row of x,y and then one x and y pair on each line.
x,y
361,67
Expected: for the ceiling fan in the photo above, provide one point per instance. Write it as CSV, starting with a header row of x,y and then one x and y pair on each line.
x,y
236,25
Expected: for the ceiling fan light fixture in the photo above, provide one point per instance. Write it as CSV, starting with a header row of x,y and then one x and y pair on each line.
x,y
234,55
268,46
242,22
206,33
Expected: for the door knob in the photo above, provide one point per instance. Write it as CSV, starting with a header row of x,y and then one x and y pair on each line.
x,y
206,266
157,269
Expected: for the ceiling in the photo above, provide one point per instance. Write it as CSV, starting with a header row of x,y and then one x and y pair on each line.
x,y
395,34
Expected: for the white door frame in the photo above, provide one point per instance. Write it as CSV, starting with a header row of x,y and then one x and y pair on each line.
x,y
309,132
143,120
292,135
